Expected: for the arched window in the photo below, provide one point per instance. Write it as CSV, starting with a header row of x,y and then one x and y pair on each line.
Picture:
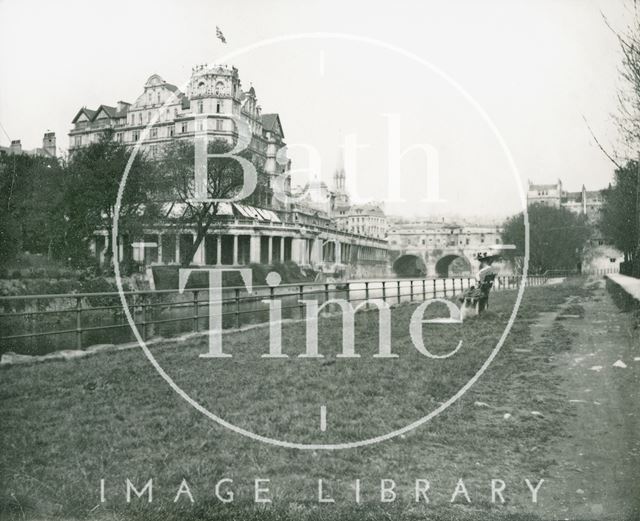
x,y
219,87
200,107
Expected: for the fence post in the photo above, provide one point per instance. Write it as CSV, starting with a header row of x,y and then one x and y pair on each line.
x,y
237,297
444,285
143,308
398,292
434,288
384,291
411,291
196,311
79,322
424,289
301,297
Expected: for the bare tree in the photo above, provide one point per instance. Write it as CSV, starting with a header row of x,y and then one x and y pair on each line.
x,y
198,207
629,124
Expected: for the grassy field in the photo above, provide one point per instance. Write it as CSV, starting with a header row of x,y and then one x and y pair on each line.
x,y
67,425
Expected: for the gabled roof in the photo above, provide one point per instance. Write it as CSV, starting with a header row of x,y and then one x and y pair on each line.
x,y
271,123
110,111
87,112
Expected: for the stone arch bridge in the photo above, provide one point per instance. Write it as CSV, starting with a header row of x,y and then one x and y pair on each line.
x,y
444,262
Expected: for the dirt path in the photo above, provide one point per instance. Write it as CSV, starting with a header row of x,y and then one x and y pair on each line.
x,y
597,474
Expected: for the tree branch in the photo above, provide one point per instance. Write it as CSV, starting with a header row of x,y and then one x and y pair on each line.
x,y
599,145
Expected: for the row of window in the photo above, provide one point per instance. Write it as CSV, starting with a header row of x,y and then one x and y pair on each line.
x,y
153,133
141,118
145,117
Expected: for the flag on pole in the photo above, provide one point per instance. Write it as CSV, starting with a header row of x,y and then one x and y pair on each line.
x,y
220,35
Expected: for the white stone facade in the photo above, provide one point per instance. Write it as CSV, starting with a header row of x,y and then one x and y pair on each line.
x,y
214,103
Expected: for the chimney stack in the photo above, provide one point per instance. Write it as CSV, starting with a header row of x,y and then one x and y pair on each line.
x,y
16,146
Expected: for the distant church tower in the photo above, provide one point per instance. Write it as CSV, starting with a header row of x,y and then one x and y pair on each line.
x,y
339,176
340,185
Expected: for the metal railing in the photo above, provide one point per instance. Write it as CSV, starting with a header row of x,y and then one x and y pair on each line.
x,y
576,273
28,319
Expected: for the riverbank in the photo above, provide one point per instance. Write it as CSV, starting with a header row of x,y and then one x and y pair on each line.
x,y
93,412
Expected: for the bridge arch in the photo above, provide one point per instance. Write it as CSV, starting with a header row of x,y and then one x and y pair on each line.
x,y
409,265
453,264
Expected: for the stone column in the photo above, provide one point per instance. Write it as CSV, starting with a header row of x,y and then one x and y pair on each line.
x,y
281,250
159,249
254,248
219,250
235,250
296,250
177,259
270,259
316,251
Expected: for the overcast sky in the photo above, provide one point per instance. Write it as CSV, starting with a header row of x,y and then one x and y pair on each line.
x,y
535,68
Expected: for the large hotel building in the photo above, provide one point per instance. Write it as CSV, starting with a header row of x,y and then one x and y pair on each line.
x,y
268,231
212,99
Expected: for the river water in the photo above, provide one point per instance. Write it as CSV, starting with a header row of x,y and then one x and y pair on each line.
x,y
170,314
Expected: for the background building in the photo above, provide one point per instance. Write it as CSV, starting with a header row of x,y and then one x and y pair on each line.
x,y
585,202
48,148
426,234
598,254
366,219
